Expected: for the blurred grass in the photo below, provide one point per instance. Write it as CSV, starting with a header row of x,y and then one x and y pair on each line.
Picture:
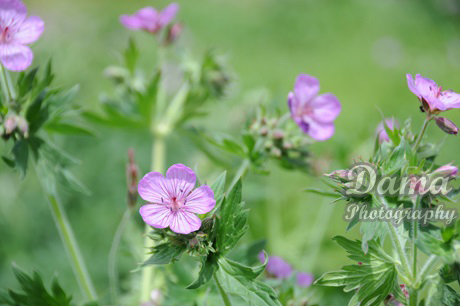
x,y
360,50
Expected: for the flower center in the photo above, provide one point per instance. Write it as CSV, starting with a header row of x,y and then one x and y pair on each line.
x,y
176,204
5,35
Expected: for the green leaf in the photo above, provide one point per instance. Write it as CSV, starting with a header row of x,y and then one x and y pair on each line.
x,y
232,224
321,192
26,83
147,100
373,278
33,292
37,113
67,128
163,254
208,267
131,55
240,281
218,187
21,156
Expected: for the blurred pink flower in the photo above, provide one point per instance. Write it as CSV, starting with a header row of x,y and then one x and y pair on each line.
x,y
382,133
314,114
276,266
173,202
433,99
446,171
16,31
149,19
304,279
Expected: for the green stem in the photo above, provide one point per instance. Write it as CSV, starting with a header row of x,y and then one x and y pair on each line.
x,y
158,161
112,262
72,249
222,292
422,132
239,173
397,244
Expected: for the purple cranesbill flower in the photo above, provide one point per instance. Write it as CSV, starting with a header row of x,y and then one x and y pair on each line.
x,y
434,100
313,113
391,123
276,266
172,200
16,32
304,279
149,19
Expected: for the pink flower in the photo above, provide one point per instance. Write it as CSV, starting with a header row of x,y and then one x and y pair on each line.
x,y
382,133
304,279
149,19
433,99
172,200
16,31
314,114
276,266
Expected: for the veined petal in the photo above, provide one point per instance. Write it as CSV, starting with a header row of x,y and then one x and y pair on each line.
x,y
168,14
448,100
319,131
15,57
30,30
184,222
427,88
411,85
181,180
306,87
154,188
158,216
200,201
13,5
326,107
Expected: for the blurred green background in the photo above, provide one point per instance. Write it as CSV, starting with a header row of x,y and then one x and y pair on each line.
x,y
360,50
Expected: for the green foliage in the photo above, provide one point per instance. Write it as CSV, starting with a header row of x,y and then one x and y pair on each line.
x,y
374,278
33,292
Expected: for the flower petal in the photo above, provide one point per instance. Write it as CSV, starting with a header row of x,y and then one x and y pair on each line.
x,y
30,30
184,222
15,57
13,5
181,180
158,216
200,201
326,108
411,85
306,87
448,100
427,88
318,130
153,187
131,22
168,14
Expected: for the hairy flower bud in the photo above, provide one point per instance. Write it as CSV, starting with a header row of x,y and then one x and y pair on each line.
x,y
446,125
10,124
132,173
173,33
446,171
278,134
23,126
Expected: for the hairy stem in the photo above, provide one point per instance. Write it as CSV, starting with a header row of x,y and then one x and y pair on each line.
x,y
422,132
72,249
112,262
431,261
7,85
158,161
222,292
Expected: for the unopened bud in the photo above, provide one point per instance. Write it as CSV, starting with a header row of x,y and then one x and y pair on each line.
x,y
173,33
446,171
116,74
276,152
132,172
207,224
264,131
23,126
10,125
446,125
278,134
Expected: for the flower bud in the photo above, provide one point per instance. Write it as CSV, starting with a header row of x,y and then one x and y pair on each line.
x,y
132,172
446,125
23,126
116,74
207,224
173,33
278,134
276,152
446,171
10,124
263,131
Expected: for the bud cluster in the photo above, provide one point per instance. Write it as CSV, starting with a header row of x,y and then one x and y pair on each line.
x,y
14,125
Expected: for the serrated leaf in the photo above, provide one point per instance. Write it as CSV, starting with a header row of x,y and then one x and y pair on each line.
x,y
208,267
67,128
131,56
21,156
239,280
163,254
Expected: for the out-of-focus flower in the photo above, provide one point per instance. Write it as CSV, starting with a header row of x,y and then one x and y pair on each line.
x,y
10,124
446,125
313,113
149,19
446,171
304,279
16,32
382,133
172,200
276,266
433,99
